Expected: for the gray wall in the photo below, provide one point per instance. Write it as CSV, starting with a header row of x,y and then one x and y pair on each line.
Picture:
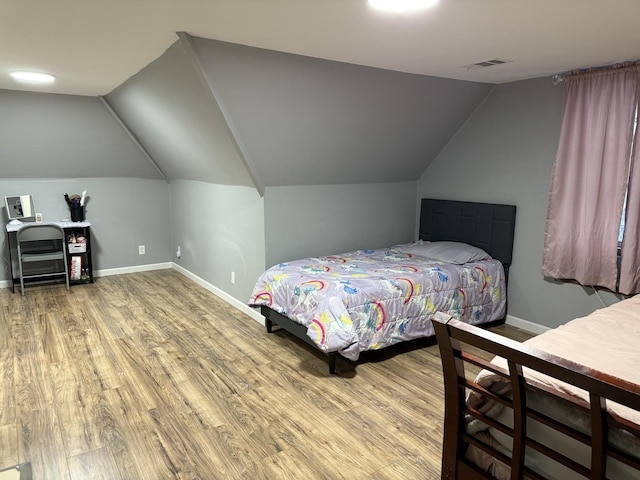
x,y
318,220
220,229
170,108
505,154
124,213
43,135
307,121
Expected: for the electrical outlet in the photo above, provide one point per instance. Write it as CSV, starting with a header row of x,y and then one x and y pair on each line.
x,y
141,250
233,278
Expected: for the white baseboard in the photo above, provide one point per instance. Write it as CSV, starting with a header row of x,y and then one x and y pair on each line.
x,y
254,314
525,325
246,309
134,269
114,271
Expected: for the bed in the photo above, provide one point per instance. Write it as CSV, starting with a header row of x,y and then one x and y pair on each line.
x,y
562,405
371,299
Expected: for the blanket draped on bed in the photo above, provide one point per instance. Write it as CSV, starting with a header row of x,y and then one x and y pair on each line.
x,y
370,299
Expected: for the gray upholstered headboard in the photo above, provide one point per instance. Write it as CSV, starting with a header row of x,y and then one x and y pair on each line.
x,y
488,226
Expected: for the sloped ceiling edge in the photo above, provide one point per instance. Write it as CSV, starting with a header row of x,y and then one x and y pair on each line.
x,y
173,115
308,121
46,135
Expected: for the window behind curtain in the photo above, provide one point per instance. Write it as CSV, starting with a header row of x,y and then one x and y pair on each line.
x,y
592,177
630,251
624,207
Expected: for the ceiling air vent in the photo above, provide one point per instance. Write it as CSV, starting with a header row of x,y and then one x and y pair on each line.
x,y
486,63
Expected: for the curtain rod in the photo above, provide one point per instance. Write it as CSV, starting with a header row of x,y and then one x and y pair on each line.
x,y
558,78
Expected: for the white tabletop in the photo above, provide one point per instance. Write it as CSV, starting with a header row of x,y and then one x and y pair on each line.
x,y
14,227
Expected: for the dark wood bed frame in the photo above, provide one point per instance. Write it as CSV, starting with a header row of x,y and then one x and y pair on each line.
x,y
485,225
454,339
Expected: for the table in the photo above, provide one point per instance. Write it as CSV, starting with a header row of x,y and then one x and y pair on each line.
x,y
78,257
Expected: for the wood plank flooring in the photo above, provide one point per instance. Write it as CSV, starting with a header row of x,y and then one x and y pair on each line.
x,y
149,376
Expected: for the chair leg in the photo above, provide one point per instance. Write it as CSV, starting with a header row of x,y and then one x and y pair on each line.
x,y
21,279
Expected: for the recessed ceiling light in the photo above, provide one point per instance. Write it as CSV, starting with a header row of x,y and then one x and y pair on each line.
x,y
33,77
402,5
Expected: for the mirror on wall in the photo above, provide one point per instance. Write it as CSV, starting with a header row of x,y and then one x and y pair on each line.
x,y
19,207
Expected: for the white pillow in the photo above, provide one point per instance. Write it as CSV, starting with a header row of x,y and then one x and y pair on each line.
x,y
449,252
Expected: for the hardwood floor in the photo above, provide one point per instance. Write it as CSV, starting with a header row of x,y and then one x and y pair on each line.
x,y
149,376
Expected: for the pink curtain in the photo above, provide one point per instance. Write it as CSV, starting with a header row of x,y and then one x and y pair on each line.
x,y
589,179
630,267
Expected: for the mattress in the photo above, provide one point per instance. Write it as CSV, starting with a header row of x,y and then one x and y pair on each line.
x,y
606,341
371,299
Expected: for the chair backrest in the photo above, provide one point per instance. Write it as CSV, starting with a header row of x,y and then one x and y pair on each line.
x,y
40,232
459,344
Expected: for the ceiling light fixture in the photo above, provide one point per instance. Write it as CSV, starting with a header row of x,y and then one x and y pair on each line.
x,y
33,77
402,5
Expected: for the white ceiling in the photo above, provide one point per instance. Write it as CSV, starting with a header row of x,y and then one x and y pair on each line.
x,y
93,46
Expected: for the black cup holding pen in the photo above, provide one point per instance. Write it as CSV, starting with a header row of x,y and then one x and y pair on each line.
x,y
76,206
77,213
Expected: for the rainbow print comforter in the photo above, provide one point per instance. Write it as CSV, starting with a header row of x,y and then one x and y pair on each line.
x,y
370,299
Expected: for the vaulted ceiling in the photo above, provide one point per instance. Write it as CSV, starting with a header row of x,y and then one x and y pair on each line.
x,y
290,92
93,46
205,109
236,115
179,124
